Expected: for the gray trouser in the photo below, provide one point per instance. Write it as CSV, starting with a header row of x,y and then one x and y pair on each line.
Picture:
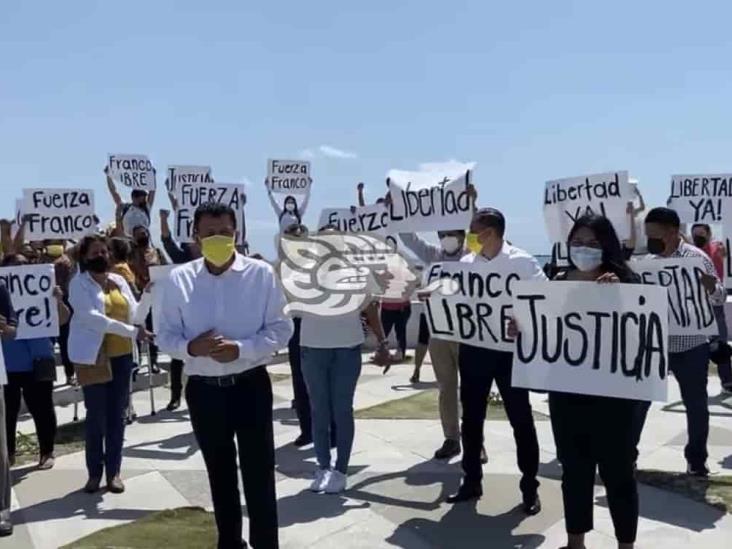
x,y
445,363
4,462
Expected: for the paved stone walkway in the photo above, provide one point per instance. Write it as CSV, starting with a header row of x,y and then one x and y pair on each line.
x,y
397,492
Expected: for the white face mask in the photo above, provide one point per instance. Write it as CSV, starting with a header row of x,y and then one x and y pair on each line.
x,y
585,258
450,244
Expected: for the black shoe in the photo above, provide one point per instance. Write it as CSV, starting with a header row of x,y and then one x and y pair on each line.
x,y
467,492
302,440
699,472
532,506
173,405
450,449
6,528
155,369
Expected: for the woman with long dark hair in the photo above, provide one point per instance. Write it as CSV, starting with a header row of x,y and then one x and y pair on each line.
x,y
105,323
289,213
594,432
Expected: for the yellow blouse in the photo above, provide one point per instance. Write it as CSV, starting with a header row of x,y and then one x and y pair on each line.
x,y
116,307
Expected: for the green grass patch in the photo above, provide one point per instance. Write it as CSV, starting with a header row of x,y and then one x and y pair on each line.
x,y
424,405
70,438
185,528
715,490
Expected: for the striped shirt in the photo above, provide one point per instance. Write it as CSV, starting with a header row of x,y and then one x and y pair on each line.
x,y
680,344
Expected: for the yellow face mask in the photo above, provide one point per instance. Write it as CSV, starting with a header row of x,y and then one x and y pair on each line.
x,y
473,244
55,250
218,249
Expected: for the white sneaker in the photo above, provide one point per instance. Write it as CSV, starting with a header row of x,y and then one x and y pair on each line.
x,y
321,480
337,483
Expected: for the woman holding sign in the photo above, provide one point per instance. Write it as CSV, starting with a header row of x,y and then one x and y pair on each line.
x,y
106,321
31,368
289,213
594,432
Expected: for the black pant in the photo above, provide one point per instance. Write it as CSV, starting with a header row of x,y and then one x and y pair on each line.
x,y
176,379
152,346
398,320
63,343
478,369
690,368
38,396
597,432
243,412
302,400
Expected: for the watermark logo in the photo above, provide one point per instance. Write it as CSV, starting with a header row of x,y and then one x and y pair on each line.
x,y
333,274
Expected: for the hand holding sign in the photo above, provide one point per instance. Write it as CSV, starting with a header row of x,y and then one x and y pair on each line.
x,y
709,282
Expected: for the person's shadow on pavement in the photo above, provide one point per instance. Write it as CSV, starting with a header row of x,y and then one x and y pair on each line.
x,y
462,527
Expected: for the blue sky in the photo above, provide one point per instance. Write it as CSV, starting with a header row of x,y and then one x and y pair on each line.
x,y
531,91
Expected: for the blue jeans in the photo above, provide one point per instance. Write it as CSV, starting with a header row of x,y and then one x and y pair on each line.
x,y
331,376
105,422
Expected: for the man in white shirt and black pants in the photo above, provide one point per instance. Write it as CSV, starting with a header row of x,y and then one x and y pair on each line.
x,y
223,315
480,367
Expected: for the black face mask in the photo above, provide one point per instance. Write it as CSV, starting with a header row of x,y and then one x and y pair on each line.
x,y
143,241
700,241
656,246
97,265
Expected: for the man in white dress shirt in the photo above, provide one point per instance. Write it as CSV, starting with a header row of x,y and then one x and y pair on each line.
x,y
223,316
480,367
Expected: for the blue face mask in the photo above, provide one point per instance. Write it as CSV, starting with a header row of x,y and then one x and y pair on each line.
x,y
585,258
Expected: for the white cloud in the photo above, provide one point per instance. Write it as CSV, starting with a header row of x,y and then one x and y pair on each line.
x,y
448,166
332,152
326,151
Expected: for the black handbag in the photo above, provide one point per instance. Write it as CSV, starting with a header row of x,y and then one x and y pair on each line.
x,y
44,369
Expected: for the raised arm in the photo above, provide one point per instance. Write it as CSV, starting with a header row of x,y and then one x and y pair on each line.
x,y
19,239
275,206
361,199
304,206
116,198
426,252
6,236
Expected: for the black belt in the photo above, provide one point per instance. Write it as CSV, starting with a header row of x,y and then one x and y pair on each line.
x,y
225,381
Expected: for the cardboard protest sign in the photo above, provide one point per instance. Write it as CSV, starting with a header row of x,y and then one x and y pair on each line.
x,y
701,198
31,291
688,301
289,176
475,307
132,170
188,174
189,196
373,219
427,201
159,277
566,200
591,339
58,213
